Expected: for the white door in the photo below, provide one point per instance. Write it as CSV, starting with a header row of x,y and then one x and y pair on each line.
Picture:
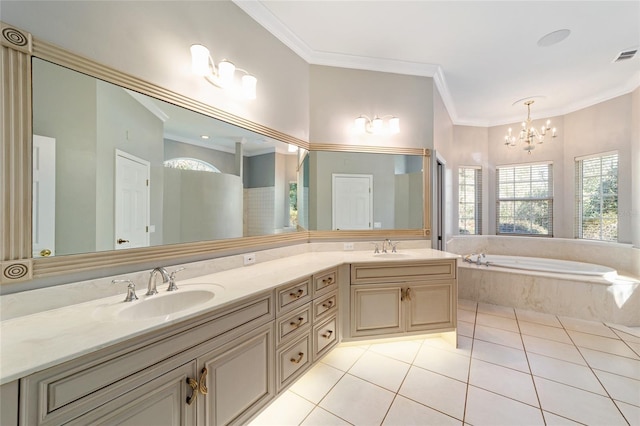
x,y
132,201
44,196
352,201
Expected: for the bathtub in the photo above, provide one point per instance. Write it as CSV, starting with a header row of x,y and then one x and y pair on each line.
x,y
542,265
559,287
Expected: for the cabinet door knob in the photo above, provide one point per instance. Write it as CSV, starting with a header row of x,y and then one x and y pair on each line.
x,y
297,360
328,334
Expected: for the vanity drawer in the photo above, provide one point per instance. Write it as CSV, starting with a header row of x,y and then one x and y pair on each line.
x,y
402,272
298,320
325,281
325,305
293,361
293,295
325,336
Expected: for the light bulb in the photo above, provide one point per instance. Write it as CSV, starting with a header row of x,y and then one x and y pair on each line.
x,y
200,60
394,125
249,83
360,124
376,125
226,72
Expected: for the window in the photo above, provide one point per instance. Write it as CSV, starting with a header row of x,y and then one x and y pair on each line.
x,y
183,163
470,200
597,197
525,199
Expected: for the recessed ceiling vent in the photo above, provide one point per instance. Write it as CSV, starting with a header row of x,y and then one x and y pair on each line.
x,y
627,54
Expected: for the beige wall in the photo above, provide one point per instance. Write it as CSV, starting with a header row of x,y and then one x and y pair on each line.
x,y
607,126
151,40
339,95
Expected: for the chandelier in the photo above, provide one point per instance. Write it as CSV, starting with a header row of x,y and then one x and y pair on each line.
x,y
529,135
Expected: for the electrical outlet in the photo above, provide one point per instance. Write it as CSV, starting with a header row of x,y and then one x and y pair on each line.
x,y
348,246
249,259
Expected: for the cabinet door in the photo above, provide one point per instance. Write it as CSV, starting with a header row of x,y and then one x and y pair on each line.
x,y
162,401
240,378
429,306
376,310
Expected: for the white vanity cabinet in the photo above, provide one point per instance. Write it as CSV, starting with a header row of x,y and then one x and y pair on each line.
x,y
145,380
398,298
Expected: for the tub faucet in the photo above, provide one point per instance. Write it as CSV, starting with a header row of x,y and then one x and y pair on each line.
x,y
151,289
481,255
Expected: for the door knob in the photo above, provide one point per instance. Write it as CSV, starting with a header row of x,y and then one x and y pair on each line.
x,y
45,252
121,241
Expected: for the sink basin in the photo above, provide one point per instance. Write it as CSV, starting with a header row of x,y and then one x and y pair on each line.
x,y
165,304
392,255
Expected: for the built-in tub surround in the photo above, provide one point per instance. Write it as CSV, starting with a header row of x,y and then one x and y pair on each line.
x,y
613,298
96,321
624,258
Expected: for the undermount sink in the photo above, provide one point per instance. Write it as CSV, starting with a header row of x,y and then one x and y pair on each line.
x,y
165,304
392,255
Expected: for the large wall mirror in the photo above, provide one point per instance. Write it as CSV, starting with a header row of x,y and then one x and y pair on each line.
x,y
116,173
115,169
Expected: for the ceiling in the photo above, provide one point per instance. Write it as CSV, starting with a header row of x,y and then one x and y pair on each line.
x,y
483,55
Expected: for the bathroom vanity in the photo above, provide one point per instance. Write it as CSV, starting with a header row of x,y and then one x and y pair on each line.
x,y
222,360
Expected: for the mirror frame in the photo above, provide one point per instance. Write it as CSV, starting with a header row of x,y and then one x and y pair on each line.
x,y
16,262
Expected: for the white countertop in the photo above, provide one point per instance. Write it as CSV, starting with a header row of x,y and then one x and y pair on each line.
x,y
34,342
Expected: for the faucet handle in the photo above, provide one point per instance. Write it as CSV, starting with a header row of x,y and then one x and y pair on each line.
x,y
394,246
131,290
376,248
172,279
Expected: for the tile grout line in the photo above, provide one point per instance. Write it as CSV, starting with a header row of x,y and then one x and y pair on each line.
x,y
473,340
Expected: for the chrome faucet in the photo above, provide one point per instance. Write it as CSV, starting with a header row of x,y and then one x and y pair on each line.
x,y
151,289
131,290
386,243
479,256
172,280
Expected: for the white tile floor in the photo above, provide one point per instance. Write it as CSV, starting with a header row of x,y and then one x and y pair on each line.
x,y
512,367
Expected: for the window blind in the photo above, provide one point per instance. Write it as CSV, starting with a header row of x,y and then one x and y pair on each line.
x,y
470,200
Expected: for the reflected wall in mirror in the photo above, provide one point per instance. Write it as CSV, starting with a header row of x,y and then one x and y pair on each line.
x,y
114,169
357,190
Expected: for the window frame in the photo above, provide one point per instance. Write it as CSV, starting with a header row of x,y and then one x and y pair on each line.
x,y
548,199
579,194
476,202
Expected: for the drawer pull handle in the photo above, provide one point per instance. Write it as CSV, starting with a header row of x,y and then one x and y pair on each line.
x,y
328,334
297,294
297,324
297,360
328,280
328,304
197,387
194,385
203,382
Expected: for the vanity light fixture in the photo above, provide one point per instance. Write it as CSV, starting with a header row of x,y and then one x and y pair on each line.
x,y
223,75
529,135
364,124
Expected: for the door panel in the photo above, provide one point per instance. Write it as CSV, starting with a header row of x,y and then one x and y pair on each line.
x,y
376,310
352,201
132,201
430,307
44,196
